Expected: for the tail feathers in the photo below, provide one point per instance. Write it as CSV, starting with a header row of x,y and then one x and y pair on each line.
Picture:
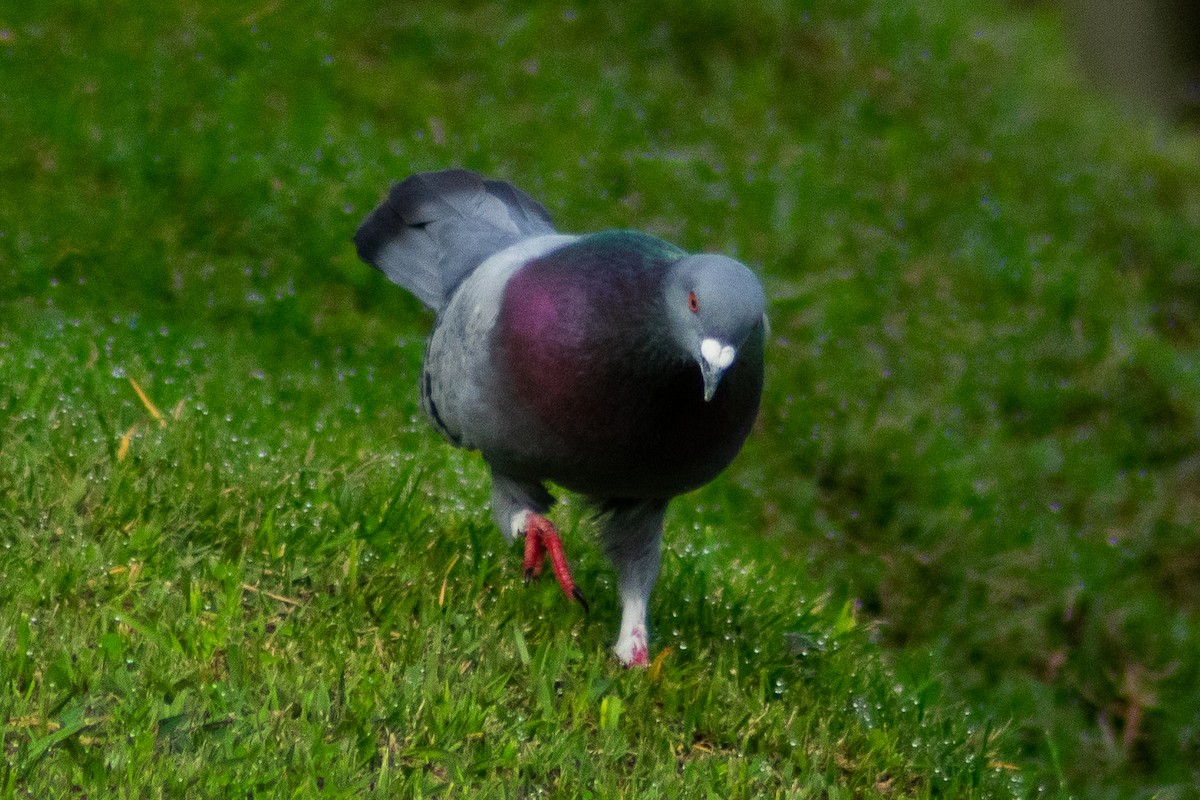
x,y
435,227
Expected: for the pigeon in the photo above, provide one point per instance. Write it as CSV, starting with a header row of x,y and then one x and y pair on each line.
x,y
614,365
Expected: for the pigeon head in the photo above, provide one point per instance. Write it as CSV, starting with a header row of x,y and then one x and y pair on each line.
x,y
713,304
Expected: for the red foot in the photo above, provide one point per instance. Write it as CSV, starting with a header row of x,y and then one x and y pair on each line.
x,y
535,551
640,657
631,647
541,540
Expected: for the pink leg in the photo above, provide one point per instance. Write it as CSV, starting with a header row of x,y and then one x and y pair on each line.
x,y
632,648
535,551
541,540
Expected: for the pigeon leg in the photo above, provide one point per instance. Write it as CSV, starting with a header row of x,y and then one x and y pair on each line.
x,y
514,500
632,535
535,554
632,647
541,540
519,508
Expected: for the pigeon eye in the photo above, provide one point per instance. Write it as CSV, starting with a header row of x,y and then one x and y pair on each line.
x,y
693,303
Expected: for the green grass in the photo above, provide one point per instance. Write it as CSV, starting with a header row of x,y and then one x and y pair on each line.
x,y
957,559
290,585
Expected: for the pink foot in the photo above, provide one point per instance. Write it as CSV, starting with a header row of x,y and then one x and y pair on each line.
x,y
631,647
542,540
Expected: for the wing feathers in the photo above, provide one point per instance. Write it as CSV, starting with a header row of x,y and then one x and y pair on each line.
x,y
435,227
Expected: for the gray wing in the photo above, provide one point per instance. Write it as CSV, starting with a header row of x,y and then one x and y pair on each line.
x,y
435,227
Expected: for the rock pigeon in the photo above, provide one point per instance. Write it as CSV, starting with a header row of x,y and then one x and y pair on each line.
x,y
611,364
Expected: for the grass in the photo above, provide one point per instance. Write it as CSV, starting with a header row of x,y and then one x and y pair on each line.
x,y
287,585
957,559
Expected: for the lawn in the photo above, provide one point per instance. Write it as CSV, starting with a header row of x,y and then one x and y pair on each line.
x,y
958,557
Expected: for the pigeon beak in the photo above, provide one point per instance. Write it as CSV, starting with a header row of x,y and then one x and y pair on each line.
x,y
715,358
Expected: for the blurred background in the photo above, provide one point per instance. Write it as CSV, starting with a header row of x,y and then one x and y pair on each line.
x,y
1147,52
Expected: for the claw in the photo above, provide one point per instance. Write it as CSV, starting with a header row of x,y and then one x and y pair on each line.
x,y
579,598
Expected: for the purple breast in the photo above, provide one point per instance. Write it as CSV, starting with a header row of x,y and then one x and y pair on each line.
x,y
561,344
598,398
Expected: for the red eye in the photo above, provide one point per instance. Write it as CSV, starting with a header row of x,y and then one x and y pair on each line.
x,y
693,303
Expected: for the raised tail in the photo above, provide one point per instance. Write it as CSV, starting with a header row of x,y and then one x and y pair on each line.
x,y
435,227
